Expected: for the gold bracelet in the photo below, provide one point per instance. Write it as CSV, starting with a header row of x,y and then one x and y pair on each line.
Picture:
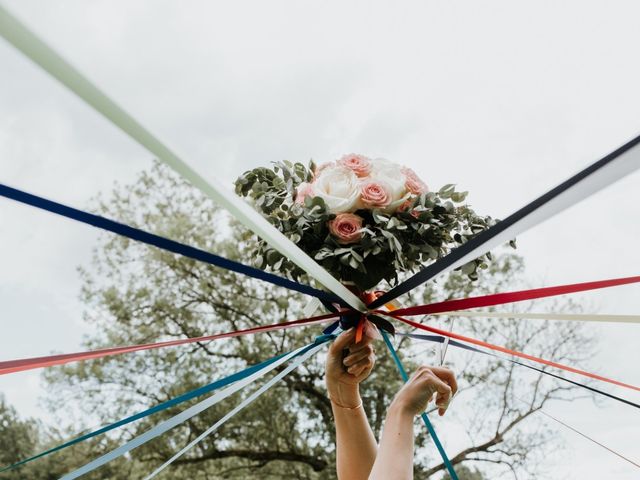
x,y
337,404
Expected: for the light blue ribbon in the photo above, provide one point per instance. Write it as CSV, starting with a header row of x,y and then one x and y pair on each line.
x,y
295,363
223,382
194,410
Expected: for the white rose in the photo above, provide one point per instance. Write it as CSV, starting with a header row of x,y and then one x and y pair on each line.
x,y
339,188
380,163
391,173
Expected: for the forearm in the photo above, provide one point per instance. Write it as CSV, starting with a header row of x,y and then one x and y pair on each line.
x,y
355,443
395,455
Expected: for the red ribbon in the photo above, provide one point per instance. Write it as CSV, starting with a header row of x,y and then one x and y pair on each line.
x,y
366,297
511,297
12,366
509,351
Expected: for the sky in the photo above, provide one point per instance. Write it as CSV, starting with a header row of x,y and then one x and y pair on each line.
x,y
505,99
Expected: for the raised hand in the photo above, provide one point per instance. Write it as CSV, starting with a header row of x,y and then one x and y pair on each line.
x,y
416,394
348,364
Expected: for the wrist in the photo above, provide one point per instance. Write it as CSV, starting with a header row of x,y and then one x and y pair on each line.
x,y
345,395
400,408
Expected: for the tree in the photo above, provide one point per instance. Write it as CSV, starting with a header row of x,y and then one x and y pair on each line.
x,y
22,438
137,294
465,473
17,436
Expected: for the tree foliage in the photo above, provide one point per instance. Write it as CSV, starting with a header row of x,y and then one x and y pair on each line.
x,y
137,294
17,436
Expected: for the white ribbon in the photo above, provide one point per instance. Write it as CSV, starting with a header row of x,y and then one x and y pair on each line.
x,y
626,163
295,364
546,316
445,344
39,52
178,419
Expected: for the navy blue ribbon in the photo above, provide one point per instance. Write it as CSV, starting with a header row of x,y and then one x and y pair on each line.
x,y
161,242
456,254
455,343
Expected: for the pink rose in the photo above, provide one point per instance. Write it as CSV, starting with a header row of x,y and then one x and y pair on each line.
x,y
408,204
416,186
405,205
303,191
360,164
413,183
346,227
409,173
375,194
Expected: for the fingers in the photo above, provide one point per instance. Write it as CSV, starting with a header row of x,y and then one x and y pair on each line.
x,y
356,359
435,380
443,393
446,376
344,340
357,355
371,332
362,359
364,365
442,400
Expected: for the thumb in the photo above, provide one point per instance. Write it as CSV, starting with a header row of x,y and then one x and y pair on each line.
x,y
371,332
344,339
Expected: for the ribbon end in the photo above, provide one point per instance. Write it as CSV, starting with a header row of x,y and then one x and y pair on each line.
x,y
360,329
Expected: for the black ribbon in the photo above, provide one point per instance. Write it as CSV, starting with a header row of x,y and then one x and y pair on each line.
x,y
456,254
351,318
455,343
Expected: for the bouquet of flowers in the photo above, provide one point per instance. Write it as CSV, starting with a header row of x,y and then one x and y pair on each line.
x,y
364,220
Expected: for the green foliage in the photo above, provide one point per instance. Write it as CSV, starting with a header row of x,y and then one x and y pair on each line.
x,y
17,437
392,243
22,438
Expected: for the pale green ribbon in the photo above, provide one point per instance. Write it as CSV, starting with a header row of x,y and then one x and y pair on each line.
x,y
246,402
184,416
17,34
